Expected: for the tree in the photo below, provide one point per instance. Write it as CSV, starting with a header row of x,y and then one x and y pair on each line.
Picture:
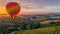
x,y
35,25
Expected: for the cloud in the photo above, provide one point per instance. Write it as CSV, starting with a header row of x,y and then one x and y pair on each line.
x,y
33,3
39,3
52,7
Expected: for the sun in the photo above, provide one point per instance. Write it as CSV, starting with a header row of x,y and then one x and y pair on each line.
x,y
2,10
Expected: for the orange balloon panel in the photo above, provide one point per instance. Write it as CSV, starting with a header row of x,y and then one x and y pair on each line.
x,y
13,8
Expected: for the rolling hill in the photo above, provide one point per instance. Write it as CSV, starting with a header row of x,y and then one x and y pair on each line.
x,y
47,30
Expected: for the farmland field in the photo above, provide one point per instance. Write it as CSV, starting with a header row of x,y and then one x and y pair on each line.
x,y
48,30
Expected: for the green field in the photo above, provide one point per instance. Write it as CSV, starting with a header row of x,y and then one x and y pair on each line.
x,y
47,30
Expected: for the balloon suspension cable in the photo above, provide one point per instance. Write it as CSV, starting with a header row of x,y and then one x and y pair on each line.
x,y
12,20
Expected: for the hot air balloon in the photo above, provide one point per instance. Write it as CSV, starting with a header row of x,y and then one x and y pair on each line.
x,y
13,9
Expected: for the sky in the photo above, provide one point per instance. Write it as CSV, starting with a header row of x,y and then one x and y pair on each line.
x,y
33,6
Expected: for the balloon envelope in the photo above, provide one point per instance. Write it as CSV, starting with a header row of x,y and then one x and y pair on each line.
x,y
13,9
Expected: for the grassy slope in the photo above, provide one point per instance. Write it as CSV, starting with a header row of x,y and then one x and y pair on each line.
x,y
48,30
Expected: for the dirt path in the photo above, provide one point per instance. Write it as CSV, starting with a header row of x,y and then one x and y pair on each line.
x,y
13,32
